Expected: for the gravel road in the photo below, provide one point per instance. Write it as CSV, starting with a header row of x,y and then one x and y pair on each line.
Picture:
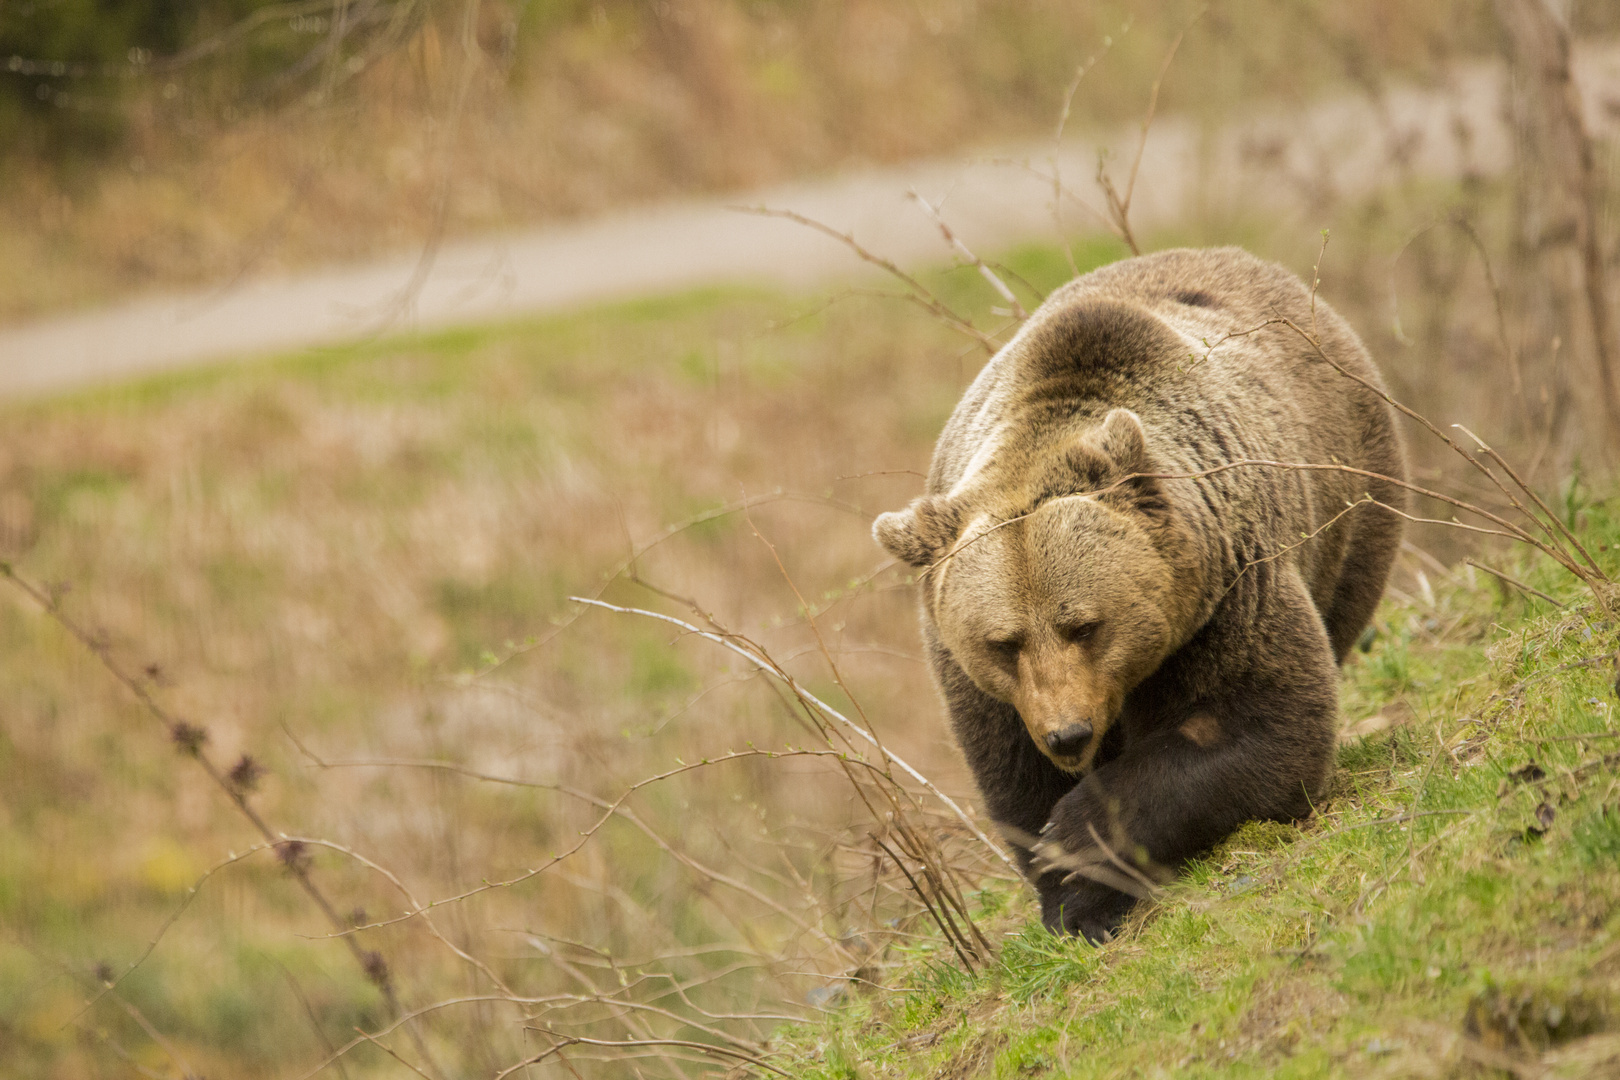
x,y
1299,165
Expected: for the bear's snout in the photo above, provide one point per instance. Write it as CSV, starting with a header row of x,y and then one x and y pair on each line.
x,y
1068,741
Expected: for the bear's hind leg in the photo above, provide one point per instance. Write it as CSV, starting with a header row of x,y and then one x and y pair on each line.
x,y
1365,572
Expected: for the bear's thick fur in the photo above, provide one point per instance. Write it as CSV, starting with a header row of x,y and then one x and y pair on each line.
x,y
1134,672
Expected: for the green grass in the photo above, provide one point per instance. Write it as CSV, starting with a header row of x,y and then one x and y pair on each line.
x,y
1355,943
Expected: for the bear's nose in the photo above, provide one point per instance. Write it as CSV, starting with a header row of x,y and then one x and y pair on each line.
x,y
1069,741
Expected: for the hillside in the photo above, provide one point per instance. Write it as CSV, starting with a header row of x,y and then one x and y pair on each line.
x,y
1452,910
542,829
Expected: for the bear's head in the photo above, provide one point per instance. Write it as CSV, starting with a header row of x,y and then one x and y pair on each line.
x,y
1049,582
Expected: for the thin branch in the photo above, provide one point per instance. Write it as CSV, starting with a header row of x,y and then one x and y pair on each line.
x,y
174,917
1063,192
1513,581
385,1048
1566,531
769,668
965,252
1552,530
1512,530
191,741
668,533
1058,190
941,918
565,1041
609,809
309,1012
1302,541
1511,354
919,294
1119,205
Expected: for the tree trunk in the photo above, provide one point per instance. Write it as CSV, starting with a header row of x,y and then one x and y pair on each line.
x,y
1563,296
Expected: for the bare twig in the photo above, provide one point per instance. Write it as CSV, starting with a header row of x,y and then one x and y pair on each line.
x,y
942,919
389,1050
1509,353
1301,542
1061,192
966,253
174,917
1513,581
737,506
1556,532
191,741
565,1041
1119,203
1509,528
766,665
609,808
314,1021
1558,522
1058,191
918,293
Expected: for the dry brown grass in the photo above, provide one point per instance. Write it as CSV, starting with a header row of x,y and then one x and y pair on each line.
x,y
336,573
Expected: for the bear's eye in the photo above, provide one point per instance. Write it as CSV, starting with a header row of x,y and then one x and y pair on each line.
x,y
1006,649
1083,631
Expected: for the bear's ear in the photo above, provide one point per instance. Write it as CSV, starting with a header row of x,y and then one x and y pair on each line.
x,y
920,533
1122,440
1117,447
1105,455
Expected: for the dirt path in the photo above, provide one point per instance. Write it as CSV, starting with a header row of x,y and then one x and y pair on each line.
x,y
1297,166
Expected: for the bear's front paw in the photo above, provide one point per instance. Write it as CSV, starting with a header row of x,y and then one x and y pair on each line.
x,y
1072,900
1059,857
1084,909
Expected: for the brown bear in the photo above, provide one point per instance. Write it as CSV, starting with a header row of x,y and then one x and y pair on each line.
x,y
1137,647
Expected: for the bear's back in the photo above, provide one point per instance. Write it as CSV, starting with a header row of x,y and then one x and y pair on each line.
x,y
1191,339
1185,280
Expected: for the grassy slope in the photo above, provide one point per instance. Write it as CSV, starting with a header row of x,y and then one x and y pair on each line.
x,y
1359,942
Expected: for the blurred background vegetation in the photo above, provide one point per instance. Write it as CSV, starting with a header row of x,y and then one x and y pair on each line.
x,y
156,143
352,567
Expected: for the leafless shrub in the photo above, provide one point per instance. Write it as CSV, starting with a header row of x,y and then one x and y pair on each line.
x,y
1559,243
910,854
236,784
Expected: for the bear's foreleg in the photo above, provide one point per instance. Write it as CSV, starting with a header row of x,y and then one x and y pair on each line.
x,y
1131,823
1260,750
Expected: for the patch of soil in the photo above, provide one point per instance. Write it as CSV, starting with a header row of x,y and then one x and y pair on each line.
x,y
1288,1012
